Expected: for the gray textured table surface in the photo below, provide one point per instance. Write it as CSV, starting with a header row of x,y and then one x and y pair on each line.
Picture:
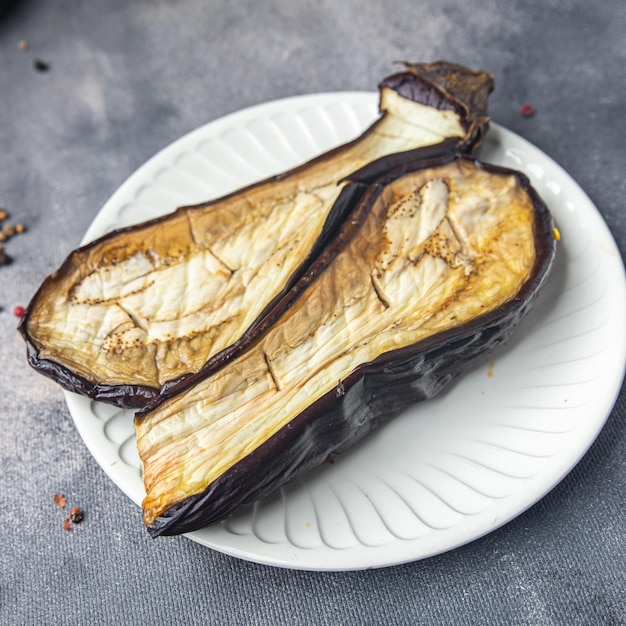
x,y
126,78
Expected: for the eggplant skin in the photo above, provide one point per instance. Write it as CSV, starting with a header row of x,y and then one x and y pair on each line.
x,y
373,392
448,85
116,348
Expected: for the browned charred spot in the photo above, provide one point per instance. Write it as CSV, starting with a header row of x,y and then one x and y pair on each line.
x,y
378,289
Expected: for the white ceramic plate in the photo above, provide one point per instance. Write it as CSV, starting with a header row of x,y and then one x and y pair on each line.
x,y
449,470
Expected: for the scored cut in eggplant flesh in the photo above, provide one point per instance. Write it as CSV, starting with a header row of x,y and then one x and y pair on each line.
x,y
434,268
136,311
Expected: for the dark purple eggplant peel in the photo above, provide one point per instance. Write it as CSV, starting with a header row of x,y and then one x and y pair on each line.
x,y
435,265
131,315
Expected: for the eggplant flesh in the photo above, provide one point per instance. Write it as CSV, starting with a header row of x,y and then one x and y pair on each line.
x,y
434,267
138,310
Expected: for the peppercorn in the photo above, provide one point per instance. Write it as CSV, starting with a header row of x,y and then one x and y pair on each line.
x,y
76,515
40,65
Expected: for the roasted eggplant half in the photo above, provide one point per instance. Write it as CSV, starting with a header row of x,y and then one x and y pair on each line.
x,y
141,308
433,268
